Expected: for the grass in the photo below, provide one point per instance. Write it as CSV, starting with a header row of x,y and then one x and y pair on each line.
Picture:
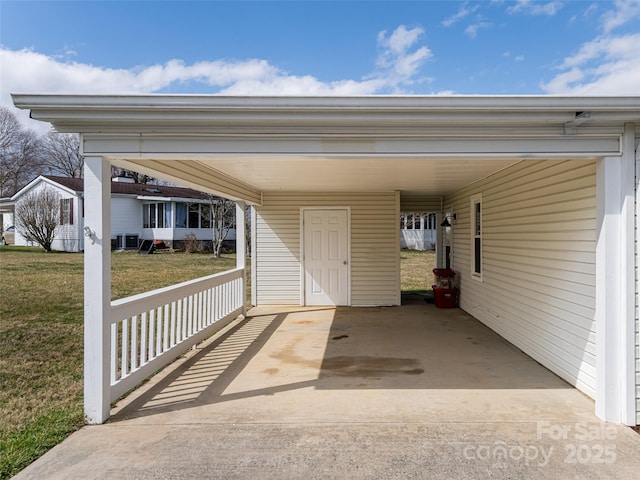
x,y
41,354
41,344
416,270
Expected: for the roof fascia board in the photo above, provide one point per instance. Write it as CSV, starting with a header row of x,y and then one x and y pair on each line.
x,y
376,102
147,198
42,178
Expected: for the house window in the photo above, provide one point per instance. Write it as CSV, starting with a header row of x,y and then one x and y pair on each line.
x,y
66,211
156,215
205,216
192,215
167,215
431,222
476,235
181,215
152,215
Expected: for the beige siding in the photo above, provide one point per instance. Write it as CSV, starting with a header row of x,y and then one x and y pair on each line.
x,y
375,275
538,283
409,203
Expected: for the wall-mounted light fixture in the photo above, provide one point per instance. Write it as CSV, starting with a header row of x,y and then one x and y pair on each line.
x,y
446,222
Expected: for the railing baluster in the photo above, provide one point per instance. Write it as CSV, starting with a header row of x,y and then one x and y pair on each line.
x,y
152,332
143,339
172,339
159,331
114,352
165,334
200,316
185,317
189,315
124,366
134,342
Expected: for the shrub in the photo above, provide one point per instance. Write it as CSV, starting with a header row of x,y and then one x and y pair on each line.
x,y
191,244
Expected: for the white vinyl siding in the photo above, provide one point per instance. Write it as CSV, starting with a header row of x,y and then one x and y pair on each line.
x,y
375,274
538,252
126,216
68,235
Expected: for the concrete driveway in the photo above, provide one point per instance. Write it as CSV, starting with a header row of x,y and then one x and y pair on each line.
x,y
398,392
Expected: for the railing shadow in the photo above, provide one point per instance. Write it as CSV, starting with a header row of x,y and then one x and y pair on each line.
x,y
391,348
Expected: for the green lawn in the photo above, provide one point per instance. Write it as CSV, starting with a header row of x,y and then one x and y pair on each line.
x,y
41,340
416,270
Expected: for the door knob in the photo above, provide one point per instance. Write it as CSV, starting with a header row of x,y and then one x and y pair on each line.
x,y
344,263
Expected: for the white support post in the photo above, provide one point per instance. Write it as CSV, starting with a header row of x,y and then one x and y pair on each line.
x,y
615,285
241,249
254,256
439,241
97,289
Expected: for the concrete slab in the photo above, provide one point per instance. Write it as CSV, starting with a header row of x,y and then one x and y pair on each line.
x,y
398,392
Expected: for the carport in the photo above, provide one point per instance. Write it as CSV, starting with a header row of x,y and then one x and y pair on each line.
x,y
540,190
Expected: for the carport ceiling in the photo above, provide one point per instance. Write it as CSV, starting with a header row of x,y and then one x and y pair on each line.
x,y
411,175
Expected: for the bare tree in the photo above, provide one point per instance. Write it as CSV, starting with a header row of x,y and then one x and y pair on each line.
x,y
222,221
9,128
61,152
37,216
20,156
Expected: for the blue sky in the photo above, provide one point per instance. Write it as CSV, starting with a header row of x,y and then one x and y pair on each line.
x,y
320,48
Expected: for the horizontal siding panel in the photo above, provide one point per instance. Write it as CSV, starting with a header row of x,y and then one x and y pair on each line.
x,y
538,243
374,245
547,259
420,204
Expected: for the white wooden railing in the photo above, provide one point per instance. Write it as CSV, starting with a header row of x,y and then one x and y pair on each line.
x,y
150,330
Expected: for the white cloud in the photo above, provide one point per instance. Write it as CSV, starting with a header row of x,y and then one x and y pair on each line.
x,y
607,65
625,11
398,65
519,58
604,66
472,30
529,7
463,11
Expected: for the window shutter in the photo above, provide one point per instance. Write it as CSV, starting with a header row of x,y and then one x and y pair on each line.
x,y
71,211
61,211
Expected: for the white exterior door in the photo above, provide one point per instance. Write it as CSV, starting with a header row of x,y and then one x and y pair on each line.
x,y
326,256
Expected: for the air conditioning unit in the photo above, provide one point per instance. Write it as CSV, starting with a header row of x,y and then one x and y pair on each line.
x,y
131,242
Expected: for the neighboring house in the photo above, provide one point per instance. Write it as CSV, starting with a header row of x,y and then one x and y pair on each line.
x,y
418,231
6,214
138,212
541,193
